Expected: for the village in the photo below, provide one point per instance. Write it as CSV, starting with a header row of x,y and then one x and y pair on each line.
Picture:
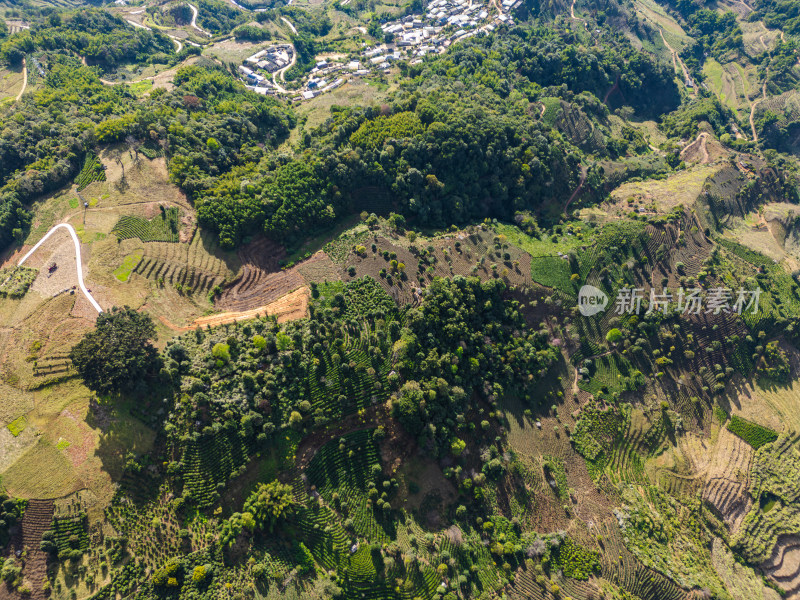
x,y
411,38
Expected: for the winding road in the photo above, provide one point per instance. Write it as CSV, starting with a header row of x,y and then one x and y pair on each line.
x,y
77,243
572,14
281,72
289,23
139,25
194,21
676,57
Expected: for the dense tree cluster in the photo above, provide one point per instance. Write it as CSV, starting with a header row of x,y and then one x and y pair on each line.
x,y
247,385
778,14
117,356
465,337
455,145
95,34
207,125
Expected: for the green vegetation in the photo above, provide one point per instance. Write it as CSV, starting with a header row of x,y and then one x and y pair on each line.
x,y
18,425
752,433
428,414
14,282
123,272
92,171
118,355
163,228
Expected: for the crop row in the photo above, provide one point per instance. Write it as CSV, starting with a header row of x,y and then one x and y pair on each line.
x,y
92,171
163,228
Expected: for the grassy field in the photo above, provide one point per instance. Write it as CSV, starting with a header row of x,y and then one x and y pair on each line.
x,y
714,73
123,272
681,188
673,32
358,92
10,83
42,472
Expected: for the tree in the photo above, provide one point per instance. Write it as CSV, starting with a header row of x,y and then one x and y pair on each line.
x,y
270,504
117,355
613,336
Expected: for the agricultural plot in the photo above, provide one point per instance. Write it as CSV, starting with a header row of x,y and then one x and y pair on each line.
x,y
752,433
344,472
92,171
553,272
68,536
199,266
163,228
774,484
129,263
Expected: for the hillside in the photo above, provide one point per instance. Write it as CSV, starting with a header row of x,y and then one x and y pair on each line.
x,y
426,300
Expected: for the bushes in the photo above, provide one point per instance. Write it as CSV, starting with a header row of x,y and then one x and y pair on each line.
x,y
92,171
270,504
163,228
67,537
575,561
752,433
14,282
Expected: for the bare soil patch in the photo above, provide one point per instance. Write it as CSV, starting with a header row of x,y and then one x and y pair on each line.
x,y
289,307
260,281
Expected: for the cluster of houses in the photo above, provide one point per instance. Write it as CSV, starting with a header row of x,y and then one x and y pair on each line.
x,y
270,59
442,23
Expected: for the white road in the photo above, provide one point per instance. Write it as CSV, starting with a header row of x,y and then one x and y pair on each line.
x,y
139,25
178,42
77,243
194,20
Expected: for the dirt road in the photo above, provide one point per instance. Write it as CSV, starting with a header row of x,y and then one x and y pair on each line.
x,y
700,142
194,21
24,80
77,243
675,57
289,23
282,72
753,105
572,13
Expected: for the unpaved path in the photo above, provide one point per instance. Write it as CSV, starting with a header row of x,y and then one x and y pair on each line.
x,y
77,243
139,25
24,80
572,13
282,72
289,23
700,142
671,51
753,105
675,57
574,195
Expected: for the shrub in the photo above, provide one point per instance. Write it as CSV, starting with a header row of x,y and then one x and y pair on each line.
x,y
752,433
221,352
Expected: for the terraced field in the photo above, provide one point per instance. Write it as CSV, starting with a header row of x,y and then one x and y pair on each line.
x,y
36,520
260,279
728,477
200,265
